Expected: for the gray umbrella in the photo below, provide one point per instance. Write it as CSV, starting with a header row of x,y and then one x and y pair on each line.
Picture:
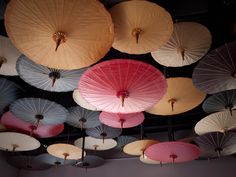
x,y
90,161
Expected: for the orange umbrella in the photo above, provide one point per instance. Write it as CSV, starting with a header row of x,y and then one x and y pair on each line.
x,y
60,34
181,96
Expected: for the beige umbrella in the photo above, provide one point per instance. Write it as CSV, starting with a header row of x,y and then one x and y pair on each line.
x,y
181,96
217,122
189,42
140,26
60,34
146,160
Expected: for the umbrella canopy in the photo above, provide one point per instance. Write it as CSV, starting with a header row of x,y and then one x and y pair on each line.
x,y
39,111
8,56
217,144
3,5
181,96
65,151
95,144
123,140
146,160
60,34
82,118
117,120
122,86
217,122
220,102
140,26
55,80
90,161
10,141
216,72
43,131
189,42
173,152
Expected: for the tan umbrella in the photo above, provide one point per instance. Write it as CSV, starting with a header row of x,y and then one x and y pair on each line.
x,y
217,122
181,96
189,42
140,26
60,34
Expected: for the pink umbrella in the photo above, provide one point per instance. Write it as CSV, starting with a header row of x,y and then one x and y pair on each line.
x,y
122,86
43,131
175,152
118,120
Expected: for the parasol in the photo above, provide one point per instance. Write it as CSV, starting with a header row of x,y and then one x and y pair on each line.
x,y
39,111
55,80
43,131
65,151
217,144
60,34
216,72
82,118
181,96
10,141
220,102
175,152
8,56
122,86
90,161
146,160
140,26
123,140
216,122
189,42
117,120
3,5
95,144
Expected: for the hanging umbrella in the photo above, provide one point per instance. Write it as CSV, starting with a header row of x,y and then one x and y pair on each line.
x,y
117,120
9,92
3,5
181,96
65,151
189,42
173,152
122,86
123,140
90,161
42,131
140,26
146,160
217,122
82,118
60,34
39,111
10,141
55,80
216,72
8,57
220,102
95,144
217,144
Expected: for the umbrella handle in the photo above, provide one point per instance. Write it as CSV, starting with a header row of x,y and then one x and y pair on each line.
x,y
173,156
136,33
181,50
66,155
14,146
123,94
172,101
59,37
2,60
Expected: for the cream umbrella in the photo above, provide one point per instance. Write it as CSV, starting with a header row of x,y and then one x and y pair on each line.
x,y
60,34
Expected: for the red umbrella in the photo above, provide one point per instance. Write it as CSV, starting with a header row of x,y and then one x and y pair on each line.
x,y
43,131
122,86
121,120
175,152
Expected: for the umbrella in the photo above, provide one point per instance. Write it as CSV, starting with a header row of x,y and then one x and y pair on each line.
x,y
140,26
90,161
10,141
175,152
60,34
117,120
146,160
39,111
49,79
82,118
217,144
43,131
122,86
189,42
216,72
216,122
95,144
8,57
181,96
65,151
220,102
9,92
123,140
3,5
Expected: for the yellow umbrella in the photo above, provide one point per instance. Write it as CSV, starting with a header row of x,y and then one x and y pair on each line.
x,y
61,34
